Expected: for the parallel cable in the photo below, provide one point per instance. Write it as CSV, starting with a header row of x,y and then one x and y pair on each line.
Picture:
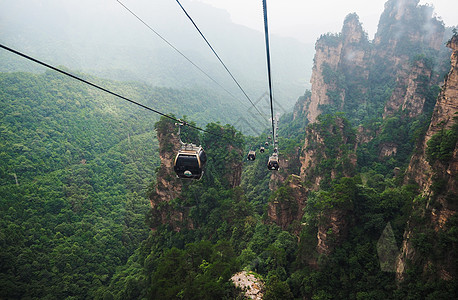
x,y
220,60
178,51
266,31
184,56
107,91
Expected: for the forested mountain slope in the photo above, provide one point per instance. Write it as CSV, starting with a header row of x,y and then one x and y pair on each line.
x,y
75,167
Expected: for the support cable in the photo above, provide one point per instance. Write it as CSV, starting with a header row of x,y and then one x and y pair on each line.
x,y
220,60
266,31
106,90
184,56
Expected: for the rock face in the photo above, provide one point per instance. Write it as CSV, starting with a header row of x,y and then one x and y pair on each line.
x,y
284,210
404,21
346,65
406,28
168,205
388,149
288,163
234,171
447,104
444,112
251,285
336,55
301,107
168,187
411,90
441,204
332,230
330,141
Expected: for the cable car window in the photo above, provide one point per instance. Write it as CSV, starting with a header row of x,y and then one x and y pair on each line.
x,y
187,160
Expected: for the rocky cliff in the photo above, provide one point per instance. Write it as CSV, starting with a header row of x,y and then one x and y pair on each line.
x,y
411,89
395,71
288,163
328,151
404,22
286,207
394,77
170,196
332,230
328,154
409,40
443,118
168,187
337,56
434,167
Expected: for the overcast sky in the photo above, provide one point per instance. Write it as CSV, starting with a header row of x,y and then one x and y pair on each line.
x,y
307,20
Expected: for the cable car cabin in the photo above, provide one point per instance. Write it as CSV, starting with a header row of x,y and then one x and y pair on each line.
x,y
190,161
262,150
266,144
273,163
251,155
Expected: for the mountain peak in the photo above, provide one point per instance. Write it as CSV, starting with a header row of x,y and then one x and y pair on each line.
x,y
406,21
352,30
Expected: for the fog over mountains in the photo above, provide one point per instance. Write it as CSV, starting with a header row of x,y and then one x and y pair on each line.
x,y
102,38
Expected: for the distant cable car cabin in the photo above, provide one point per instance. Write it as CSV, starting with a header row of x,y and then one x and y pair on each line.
x,y
262,150
190,160
273,163
251,155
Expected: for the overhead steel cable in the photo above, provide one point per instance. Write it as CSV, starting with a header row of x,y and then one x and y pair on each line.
x,y
184,56
220,60
178,51
107,91
266,31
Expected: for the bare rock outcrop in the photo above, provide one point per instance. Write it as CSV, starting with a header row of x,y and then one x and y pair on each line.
x,y
168,187
345,53
250,284
443,118
234,171
331,141
441,203
410,92
287,206
332,230
405,21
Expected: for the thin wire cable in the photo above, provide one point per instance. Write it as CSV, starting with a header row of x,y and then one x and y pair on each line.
x,y
182,54
106,90
177,50
220,60
266,31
